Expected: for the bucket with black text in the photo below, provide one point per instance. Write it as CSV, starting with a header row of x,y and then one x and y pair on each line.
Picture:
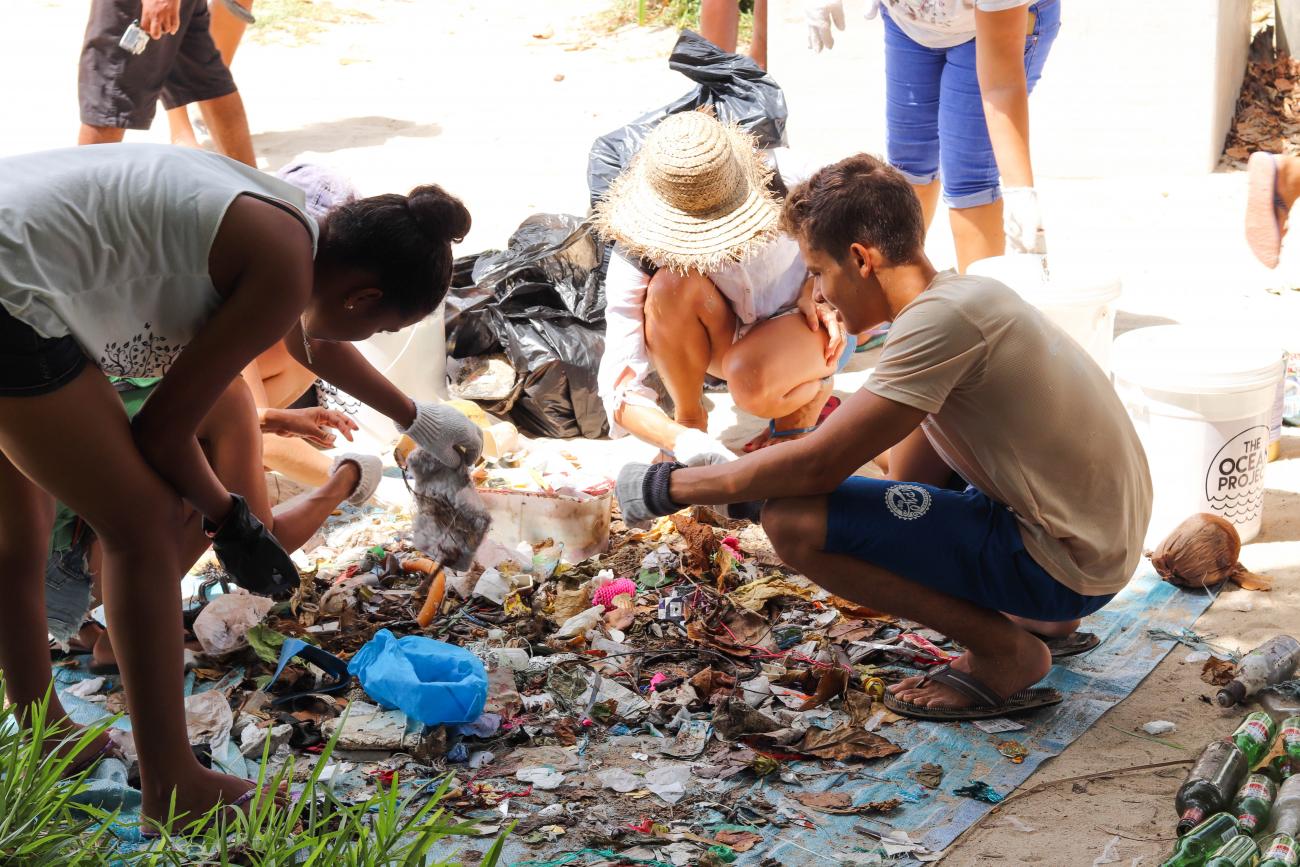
x,y
1202,405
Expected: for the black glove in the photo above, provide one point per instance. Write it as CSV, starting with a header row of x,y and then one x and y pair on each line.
x,y
643,491
250,554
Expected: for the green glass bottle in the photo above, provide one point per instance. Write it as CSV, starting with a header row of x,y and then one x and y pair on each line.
x,y
1237,852
1255,736
1280,851
1289,734
1253,802
1195,846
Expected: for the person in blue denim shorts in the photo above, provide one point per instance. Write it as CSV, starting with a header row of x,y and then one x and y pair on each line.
x,y
958,74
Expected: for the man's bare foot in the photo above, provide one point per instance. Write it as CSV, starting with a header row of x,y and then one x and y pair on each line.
x,y
1004,675
805,418
196,794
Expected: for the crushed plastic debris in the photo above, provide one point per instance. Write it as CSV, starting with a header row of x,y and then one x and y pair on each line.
x,y
979,791
1159,727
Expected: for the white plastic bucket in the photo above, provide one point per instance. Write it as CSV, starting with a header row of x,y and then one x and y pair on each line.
x,y
1076,297
415,360
1202,404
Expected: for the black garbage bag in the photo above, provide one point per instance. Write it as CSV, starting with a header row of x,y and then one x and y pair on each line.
x,y
541,303
736,87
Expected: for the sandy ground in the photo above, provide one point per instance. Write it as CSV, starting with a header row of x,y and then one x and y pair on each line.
x,y
500,102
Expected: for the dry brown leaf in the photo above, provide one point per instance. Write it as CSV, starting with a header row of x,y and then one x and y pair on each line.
x,y
701,546
832,682
887,806
827,802
708,681
1218,672
1247,580
848,631
845,743
862,612
739,841
929,775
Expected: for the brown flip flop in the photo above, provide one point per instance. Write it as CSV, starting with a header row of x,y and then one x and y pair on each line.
x,y
1074,644
988,704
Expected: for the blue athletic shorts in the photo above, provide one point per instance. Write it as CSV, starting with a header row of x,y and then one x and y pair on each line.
x,y
957,542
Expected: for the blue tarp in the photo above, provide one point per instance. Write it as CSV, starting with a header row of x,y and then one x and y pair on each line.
x,y
1092,684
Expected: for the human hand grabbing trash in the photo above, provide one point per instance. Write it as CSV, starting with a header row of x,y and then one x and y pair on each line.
x,y
446,434
250,553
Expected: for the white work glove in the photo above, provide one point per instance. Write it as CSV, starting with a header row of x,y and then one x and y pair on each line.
x,y
446,434
821,14
695,448
1022,221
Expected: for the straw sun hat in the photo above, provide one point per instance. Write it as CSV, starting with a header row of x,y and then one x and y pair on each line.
x,y
694,197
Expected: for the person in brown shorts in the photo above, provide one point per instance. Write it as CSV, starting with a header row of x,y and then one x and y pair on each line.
x,y
119,90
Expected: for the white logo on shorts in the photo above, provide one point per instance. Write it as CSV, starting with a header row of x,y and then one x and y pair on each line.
x,y
907,502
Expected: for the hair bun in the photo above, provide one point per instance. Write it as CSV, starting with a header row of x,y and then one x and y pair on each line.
x,y
442,217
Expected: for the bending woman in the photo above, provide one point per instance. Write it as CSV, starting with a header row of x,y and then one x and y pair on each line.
x,y
144,261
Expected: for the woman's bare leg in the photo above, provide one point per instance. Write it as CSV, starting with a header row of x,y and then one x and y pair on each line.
x,y
689,326
977,233
76,444
277,380
233,442
779,371
929,196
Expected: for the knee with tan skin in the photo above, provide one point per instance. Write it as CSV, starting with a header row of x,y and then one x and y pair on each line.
x,y
755,385
793,528
673,298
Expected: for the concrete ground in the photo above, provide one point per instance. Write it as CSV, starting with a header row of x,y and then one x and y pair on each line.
x,y
499,102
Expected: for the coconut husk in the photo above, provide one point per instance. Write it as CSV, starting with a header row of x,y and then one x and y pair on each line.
x,y
1202,552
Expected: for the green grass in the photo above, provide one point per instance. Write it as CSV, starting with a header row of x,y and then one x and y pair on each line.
x,y
677,14
298,21
42,826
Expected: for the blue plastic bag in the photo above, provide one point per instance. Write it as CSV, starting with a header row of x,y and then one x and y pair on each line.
x,y
430,681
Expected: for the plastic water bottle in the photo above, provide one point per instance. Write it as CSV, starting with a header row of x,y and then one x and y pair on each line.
x,y
1286,809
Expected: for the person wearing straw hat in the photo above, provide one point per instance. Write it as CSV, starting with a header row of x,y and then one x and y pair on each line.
x,y
973,380
702,282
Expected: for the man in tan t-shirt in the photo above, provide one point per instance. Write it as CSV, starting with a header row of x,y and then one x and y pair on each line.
x,y
974,384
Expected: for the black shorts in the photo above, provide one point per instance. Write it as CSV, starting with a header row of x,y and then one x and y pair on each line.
x,y
31,364
121,90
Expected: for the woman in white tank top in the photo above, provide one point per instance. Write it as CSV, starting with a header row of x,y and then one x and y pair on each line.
x,y
145,260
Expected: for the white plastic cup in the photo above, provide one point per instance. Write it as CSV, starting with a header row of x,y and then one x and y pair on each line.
x,y
1075,296
1202,402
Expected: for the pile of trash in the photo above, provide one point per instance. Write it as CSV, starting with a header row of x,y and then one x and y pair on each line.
x,y
609,705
